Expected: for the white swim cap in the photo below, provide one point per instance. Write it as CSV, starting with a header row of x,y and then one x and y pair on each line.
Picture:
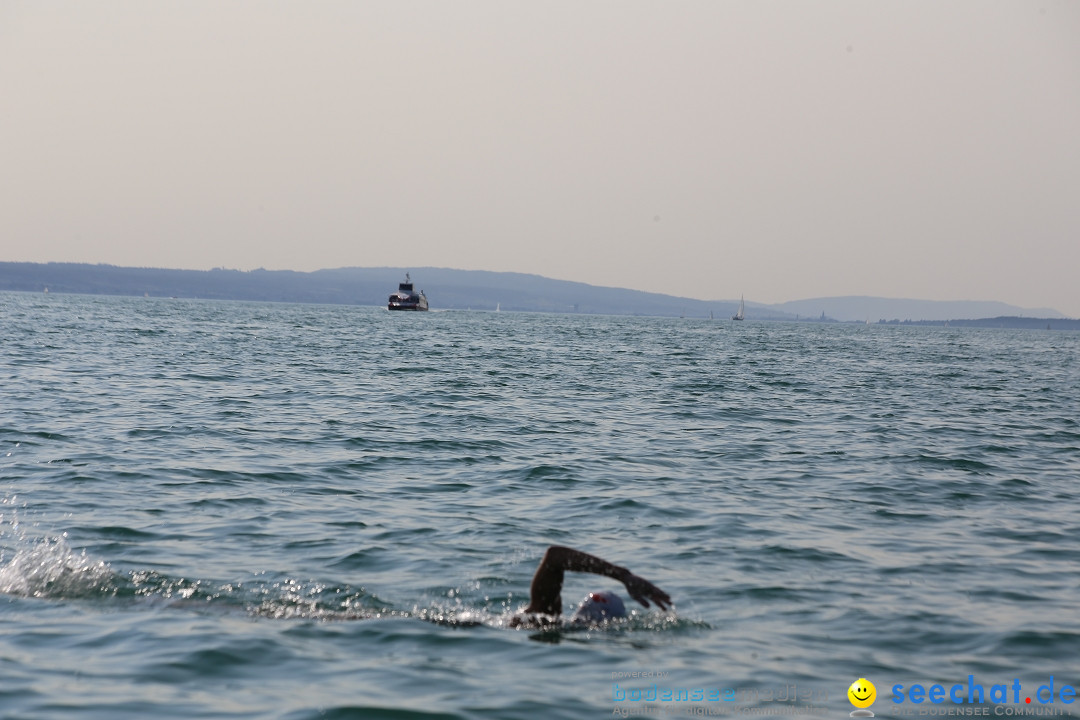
x,y
600,606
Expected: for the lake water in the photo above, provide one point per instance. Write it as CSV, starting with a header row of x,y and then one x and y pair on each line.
x,y
238,510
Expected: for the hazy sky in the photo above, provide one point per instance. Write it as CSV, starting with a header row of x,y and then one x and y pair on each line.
x,y
783,150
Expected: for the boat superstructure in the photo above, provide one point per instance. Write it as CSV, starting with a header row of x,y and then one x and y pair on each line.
x,y
406,298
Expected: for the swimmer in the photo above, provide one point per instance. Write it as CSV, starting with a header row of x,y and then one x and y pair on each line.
x,y
545,593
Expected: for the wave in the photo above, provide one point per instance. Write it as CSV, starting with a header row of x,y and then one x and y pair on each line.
x,y
48,568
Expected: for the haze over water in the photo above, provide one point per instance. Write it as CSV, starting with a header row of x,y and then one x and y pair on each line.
x,y
241,510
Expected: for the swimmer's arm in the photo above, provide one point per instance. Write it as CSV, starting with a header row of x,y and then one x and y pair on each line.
x,y
545,594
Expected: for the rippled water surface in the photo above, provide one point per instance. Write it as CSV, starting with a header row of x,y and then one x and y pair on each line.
x,y
232,510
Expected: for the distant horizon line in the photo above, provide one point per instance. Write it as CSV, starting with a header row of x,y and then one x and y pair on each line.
x,y
760,304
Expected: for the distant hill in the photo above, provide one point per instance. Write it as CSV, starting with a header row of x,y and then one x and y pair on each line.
x,y
1016,323
446,289
470,289
860,309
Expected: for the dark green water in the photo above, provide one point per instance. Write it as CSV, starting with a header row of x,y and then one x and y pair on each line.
x,y
230,510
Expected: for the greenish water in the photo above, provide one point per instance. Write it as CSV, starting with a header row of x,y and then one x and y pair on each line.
x,y
234,510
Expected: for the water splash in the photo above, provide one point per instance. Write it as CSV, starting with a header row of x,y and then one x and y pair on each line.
x,y
295,599
46,567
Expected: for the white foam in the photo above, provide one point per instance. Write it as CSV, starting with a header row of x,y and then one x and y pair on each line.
x,y
48,567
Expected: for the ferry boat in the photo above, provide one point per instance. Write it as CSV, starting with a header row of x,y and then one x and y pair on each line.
x,y
406,298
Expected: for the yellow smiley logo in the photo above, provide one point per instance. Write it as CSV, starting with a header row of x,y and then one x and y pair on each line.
x,y
862,693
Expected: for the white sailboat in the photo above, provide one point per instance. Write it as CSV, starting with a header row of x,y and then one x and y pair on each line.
x,y
741,315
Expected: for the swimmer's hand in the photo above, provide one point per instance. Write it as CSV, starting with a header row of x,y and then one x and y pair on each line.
x,y
643,591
